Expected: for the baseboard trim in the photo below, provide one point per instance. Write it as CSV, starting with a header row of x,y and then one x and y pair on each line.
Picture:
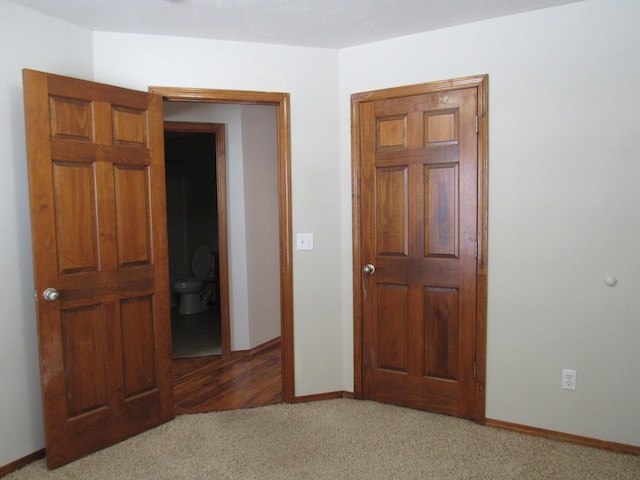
x,y
563,437
276,342
323,396
22,462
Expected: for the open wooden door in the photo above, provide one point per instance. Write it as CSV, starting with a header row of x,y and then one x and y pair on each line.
x,y
96,175
418,221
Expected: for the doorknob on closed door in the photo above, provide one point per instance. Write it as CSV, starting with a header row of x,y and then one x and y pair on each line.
x,y
369,269
50,294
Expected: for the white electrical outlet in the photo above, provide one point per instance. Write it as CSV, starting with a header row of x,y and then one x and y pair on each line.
x,y
568,379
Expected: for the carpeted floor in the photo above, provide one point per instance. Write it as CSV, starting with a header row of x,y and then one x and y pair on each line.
x,y
338,439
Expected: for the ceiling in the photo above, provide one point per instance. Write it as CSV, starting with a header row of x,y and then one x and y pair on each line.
x,y
313,23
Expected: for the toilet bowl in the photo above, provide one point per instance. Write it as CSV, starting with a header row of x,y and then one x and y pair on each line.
x,y
194,292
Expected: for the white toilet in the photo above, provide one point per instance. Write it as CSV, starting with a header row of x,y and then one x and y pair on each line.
x,y
195,293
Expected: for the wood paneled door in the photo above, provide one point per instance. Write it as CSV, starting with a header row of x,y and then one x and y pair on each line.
x,y
419,245
96,173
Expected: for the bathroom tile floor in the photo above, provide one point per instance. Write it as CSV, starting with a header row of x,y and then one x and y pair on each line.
x,y
196,335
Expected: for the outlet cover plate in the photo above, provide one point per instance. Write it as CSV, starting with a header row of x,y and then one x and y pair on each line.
x,y
304,241
568,379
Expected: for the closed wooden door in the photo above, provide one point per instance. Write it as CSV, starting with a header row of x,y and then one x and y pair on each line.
x,y
418,187
96,173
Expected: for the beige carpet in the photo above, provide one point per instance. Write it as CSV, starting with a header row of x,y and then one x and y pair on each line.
x,y
337,439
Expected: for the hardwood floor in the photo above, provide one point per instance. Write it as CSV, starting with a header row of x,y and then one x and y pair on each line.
x,y
207,384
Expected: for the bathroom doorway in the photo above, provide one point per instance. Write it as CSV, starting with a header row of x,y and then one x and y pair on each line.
x,y
193,225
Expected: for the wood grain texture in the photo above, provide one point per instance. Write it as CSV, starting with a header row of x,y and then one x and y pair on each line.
x,y
21,462
207,384
97,192
440,132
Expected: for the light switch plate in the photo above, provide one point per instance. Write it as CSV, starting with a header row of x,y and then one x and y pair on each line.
x,y
304,241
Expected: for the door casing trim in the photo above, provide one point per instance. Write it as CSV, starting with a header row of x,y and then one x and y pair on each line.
x,y
281,102
481,83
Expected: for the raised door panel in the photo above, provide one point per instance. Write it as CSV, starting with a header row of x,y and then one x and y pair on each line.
x,y
75,217
393,327
71,118
392,211
129,126
441,127
138,352
441,210
441,324
391,132
86,346
132,215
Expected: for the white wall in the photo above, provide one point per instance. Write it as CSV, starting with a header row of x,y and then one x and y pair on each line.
x,y
564,211
29,40
260,158
310,75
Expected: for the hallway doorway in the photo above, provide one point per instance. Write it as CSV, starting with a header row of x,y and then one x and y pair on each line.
x,y
193,223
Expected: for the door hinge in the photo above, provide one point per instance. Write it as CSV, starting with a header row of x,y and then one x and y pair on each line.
x,y
475,249
477,125
475,369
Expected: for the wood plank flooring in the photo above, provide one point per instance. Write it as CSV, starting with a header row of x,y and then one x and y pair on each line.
x,y
207,384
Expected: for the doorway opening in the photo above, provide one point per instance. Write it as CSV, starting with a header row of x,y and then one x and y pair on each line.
x,y
193,227
281,103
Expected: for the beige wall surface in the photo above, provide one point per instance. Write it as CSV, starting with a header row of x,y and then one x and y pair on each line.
x,y
260,156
